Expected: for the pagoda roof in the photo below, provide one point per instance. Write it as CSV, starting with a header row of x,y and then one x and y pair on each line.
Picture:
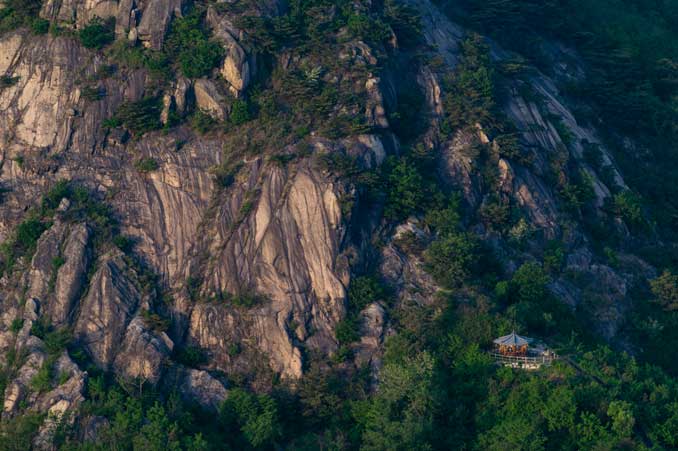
x,y
513,339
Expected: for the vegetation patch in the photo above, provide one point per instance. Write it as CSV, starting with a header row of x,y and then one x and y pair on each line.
x,y
188,44
145,165
97,33
6,81
138,117
21,13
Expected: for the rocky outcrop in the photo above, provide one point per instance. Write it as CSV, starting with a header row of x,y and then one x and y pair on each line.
x,y
42,265
60,403
78,12
143,353
402,265
155,20
199,386
367,353
70,276
238,67
209,100
58,268
287,250
106,311
375,110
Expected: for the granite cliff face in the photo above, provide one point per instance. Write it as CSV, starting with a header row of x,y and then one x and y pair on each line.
x,y
251,243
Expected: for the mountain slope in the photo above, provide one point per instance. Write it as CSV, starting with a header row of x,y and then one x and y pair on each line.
x,y
311,217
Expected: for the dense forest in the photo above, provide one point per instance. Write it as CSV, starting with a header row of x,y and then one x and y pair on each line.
x,y
437,388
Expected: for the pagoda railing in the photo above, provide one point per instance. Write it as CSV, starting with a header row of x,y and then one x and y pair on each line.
x,y
523,360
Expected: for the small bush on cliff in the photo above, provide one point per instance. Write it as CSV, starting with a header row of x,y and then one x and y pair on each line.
x,y
365,290
7,81
42,380
188,43
22,242
18,13
202,122
240,113
97,33
138,117
190,356
347,330
364,27
40,26
145,165
628,206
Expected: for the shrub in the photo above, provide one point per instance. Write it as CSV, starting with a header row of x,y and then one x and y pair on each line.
x,y
246,207
28,232
97,33
240,112
363,27
40,26
224,174
246,300
188,43
445,220
17,324
202,122
495,213
138,117
42,380
40,328
405,22
665,289
190,356
17,433
346,331
93,93
124,243
154,321
22,242
363,291
133,57
554,257
7,81
60,190
259,33
18,13
628,206
621,413
58,262
577,192
233,349
146,164
450,259
56,341
509,147
406,190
